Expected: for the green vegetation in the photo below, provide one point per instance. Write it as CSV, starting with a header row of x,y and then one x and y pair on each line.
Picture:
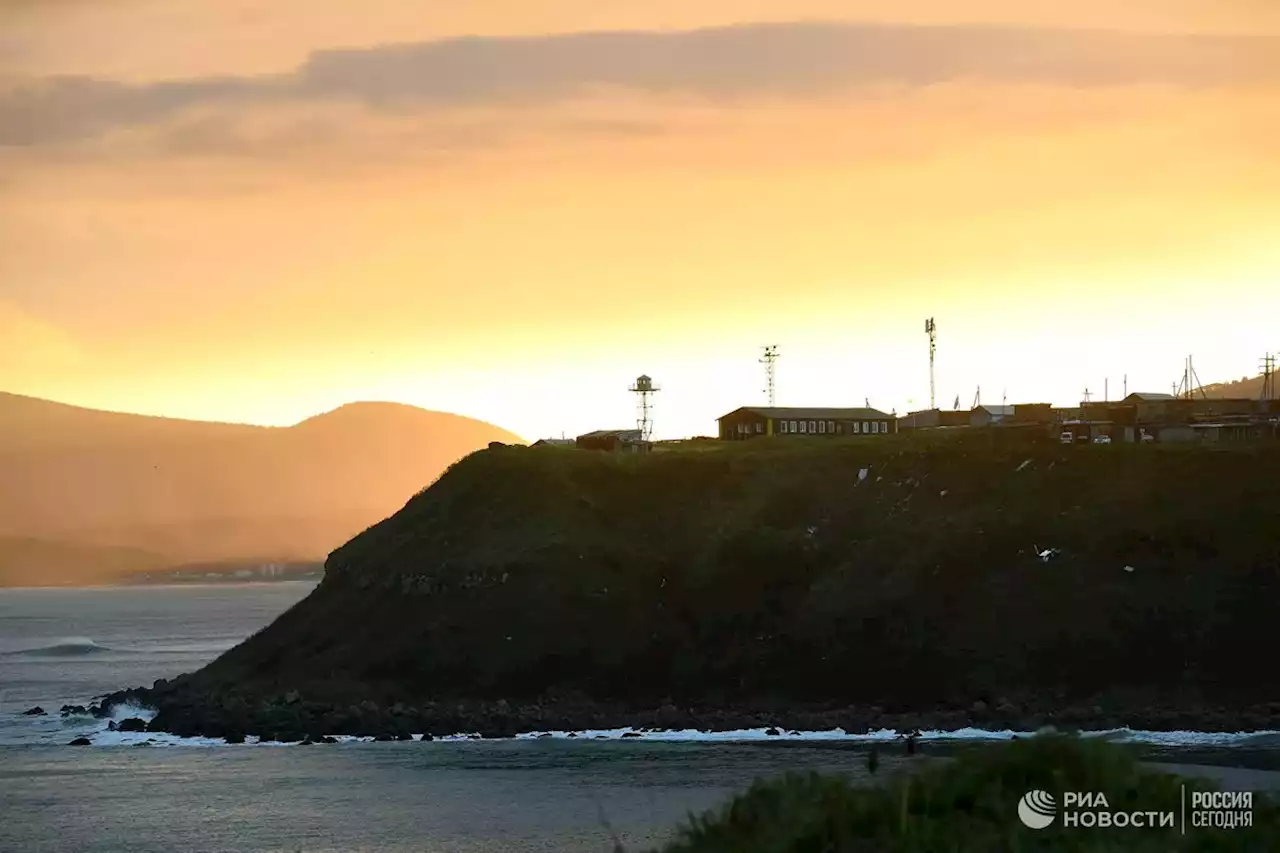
x,y
771,578
970,806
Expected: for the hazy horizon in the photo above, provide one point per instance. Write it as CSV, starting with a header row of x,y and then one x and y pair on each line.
x,y
224,212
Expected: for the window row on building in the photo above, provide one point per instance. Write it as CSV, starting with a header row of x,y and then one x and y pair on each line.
x,y
832,427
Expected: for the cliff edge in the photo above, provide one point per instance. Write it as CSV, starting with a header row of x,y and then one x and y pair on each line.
x,y
965,579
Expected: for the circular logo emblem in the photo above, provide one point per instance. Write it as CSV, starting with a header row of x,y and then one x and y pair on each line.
x,y
1037,809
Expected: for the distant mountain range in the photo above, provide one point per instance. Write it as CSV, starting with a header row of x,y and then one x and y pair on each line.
x,y
88,496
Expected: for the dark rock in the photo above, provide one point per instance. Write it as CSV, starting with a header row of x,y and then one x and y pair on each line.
x,y
234,737
772,732
426,736
306,742
133,724
37,711
631,734
572,734
81,741
404,736
544,734
327,739
383,737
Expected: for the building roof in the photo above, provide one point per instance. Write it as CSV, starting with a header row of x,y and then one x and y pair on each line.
x,y
1149,396
624,434
862,414
553,441
998,411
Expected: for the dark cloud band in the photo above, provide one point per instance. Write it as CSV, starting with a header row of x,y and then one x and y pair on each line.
x,y
794,60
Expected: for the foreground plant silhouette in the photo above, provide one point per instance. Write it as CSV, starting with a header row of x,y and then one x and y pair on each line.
x,y
969,804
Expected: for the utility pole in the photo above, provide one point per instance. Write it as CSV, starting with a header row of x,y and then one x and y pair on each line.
x,y
1086,395
931,329
769,359
1268,377
1193,382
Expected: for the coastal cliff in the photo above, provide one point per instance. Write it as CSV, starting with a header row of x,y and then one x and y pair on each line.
x,y
858,582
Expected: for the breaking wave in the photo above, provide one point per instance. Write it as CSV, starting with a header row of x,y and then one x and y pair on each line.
x,y
66,648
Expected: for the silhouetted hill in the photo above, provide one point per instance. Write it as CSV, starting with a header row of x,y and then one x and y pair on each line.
x,y
36,562
1244,388
195,491
960,580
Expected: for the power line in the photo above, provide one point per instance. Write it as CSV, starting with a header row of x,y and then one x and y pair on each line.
x,y
1268,376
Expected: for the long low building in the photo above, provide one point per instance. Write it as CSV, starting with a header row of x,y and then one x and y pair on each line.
x,y
754,421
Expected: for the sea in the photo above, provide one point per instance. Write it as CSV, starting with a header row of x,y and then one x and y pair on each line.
x,y
147,793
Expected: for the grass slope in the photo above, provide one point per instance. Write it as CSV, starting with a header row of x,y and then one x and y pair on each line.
x,y
775,573
970,806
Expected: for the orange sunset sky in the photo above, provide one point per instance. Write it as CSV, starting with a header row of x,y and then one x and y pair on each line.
x,y
509,209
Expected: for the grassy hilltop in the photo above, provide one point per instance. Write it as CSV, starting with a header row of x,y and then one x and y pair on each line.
x,y
971,806
772,578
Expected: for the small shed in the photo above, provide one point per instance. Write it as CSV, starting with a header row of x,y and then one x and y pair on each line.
x,y
987,415
613,440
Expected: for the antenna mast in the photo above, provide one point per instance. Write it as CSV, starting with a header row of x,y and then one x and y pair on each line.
x,y
769,359
932,330
1268,376
1190,382
644,389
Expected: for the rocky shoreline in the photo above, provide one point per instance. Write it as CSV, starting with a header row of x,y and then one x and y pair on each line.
x,y
182,711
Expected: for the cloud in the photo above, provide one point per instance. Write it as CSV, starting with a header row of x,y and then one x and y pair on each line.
x,y
785,60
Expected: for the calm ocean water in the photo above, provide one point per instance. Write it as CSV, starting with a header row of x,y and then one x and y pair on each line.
x,y
124,795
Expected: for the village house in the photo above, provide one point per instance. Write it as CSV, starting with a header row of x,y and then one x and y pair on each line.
x,y
626,440
981,416
760,421
933,419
